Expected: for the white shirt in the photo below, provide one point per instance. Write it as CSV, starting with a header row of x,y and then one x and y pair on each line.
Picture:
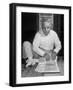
x,y
42,43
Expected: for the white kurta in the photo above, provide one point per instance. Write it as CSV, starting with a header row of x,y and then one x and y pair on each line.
x,y
42,43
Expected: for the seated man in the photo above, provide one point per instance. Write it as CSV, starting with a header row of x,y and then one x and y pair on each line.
x,y
45,41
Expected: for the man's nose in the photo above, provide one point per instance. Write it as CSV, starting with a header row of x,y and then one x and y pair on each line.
x,y
46,29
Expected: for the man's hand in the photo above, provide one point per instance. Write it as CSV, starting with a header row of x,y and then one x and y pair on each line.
x,y
47,56
53,55
50,55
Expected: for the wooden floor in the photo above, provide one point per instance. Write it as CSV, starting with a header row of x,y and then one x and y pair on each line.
x,y
30,71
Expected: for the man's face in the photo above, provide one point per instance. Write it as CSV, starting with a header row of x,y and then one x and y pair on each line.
x,y
46,28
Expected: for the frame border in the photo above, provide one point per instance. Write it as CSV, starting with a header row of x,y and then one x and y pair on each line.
x,y
12,43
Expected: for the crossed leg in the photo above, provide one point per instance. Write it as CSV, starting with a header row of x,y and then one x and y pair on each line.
x,y
29,53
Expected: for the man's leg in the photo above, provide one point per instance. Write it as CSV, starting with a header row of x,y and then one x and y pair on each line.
x,y
27,53
30,54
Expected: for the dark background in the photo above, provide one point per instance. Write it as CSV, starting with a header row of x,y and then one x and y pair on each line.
x,y
30,25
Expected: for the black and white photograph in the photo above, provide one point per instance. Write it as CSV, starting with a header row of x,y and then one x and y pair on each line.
x,y
42,44
40,40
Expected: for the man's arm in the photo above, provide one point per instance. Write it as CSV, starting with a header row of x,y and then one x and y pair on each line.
x,y
36,44
57,44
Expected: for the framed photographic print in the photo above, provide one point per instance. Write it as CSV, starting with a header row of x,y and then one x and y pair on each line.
x,y
40,44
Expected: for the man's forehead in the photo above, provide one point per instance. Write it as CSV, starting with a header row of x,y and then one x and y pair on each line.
x,y
47,23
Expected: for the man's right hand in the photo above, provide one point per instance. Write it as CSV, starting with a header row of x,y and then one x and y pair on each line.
x,y
47,56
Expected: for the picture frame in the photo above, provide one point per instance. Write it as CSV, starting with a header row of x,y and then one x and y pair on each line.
x,y
19,14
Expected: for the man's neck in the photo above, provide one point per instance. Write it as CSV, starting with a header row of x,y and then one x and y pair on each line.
x,y
45,34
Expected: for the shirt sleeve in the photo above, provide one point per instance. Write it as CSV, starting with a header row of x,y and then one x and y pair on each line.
x,y
57,43
36,44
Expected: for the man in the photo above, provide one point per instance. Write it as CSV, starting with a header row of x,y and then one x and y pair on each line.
x,y
45,41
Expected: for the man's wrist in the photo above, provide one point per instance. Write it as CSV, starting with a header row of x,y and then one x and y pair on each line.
x,y
44,54
55,52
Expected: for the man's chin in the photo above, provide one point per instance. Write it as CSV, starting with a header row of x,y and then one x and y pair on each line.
x,y
46,33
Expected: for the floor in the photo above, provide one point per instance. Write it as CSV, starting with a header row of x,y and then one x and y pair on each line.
x,y
30,71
